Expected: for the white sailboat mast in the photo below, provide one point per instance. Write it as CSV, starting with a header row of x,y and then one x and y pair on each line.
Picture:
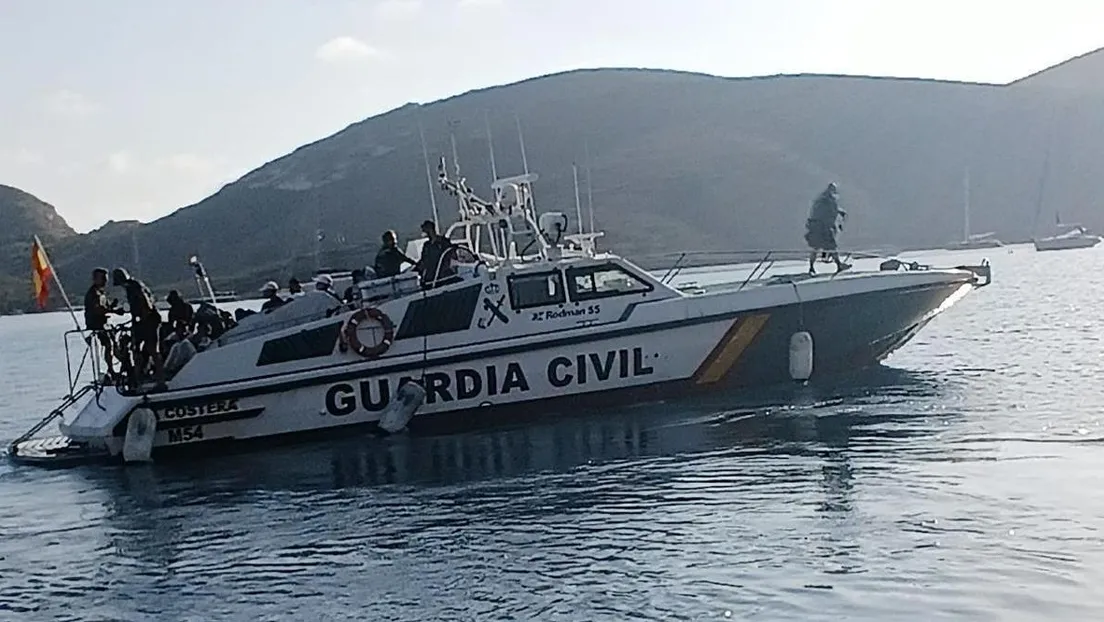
x,y
966,205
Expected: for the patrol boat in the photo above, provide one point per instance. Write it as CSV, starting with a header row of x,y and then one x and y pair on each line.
x,y
524,315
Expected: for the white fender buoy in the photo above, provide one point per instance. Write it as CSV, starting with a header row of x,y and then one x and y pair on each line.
x,y
801,356
140,431
400,411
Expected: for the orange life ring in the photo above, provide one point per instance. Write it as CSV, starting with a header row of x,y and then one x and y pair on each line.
x,y
350,332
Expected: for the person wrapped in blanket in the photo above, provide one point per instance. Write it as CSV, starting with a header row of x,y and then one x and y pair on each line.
x,y
825,219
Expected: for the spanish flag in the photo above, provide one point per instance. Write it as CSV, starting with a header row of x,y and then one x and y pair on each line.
x,y
41,273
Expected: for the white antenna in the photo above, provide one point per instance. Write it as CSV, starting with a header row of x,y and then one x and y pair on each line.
x,y
966,205
578,205
590,195
525,163
490,145
455,157
521,140
429,177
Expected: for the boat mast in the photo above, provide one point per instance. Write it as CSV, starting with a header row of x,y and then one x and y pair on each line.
x,y
966,205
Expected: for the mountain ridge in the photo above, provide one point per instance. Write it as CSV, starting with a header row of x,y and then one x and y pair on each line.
x,y
680,159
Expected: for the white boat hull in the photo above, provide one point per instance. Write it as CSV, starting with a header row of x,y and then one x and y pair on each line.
x,y
709,348
1066,243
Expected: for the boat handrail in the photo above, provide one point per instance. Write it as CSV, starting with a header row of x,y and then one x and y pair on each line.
x,y
763,260
90,356
66,403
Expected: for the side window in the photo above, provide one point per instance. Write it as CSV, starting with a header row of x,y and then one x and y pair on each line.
x,y
536,290
603,281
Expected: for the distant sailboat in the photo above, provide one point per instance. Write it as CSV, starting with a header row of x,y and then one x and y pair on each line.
x,y
1075,236
977,240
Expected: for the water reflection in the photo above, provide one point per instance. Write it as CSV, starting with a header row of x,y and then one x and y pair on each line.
x,y
271,522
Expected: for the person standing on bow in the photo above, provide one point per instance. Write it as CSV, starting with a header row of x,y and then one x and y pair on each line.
x,y
825,218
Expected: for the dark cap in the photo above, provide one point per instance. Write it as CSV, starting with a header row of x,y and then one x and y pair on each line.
x,y
428,225
99,271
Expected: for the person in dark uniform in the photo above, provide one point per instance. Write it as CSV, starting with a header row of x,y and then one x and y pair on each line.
x,y
352,292
825,218
96,311
295,288
181,314
389,259
147,323
436,247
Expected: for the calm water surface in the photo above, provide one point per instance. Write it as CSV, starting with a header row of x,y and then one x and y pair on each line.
x,y
960,482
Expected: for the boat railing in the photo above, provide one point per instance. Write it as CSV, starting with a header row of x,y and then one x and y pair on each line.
x,y
672,264
66,404
89,356
76,390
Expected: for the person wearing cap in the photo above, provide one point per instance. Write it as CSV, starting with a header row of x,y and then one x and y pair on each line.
x,y
434,265
271,293
96,311
324,283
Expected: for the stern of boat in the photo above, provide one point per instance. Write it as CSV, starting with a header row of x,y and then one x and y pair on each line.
x,y
86,419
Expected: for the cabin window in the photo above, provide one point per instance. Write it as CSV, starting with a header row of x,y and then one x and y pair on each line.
x,y
603,281
538,289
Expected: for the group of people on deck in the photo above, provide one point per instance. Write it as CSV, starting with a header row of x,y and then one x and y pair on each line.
x,y
139,351
433,267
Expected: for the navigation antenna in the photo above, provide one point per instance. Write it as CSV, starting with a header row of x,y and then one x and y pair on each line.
x,y
490,145
429,177
521,140
578,204
525,165
590,195
452,137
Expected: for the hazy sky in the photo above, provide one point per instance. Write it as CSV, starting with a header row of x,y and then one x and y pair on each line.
x,y
118,109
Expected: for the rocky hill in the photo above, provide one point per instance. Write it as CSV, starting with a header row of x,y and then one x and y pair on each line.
x,y
678,161
22,216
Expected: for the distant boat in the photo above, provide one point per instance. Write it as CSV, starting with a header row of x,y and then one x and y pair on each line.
x,y
1076,237
976,240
